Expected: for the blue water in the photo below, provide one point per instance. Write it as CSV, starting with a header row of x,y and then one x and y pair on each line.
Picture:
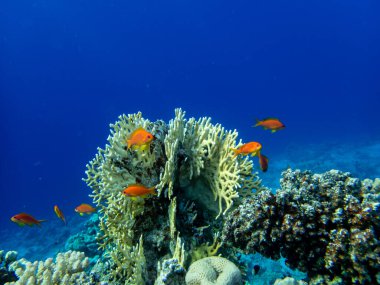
x,y
69,68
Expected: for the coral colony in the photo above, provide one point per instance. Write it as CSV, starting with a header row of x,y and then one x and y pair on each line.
x,y
203,206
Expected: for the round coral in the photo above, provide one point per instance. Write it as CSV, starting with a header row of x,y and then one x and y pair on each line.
x,y
213,270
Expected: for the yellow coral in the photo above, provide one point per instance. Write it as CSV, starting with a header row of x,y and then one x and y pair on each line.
x,y
194,155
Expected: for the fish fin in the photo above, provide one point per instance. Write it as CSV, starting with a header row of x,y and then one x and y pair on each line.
x,y
135,184
273,131
270,118
135,131
236,152
144,147
152,190
129,143
81,214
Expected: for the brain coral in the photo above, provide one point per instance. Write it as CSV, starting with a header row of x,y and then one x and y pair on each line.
x,y
213,270
325,224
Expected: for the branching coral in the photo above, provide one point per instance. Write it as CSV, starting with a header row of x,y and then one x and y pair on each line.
x,y
190,162
113,169
68,268
335,215
199,150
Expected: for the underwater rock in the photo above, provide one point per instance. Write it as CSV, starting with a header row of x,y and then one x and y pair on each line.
x,y
324,224
260,270
85,241
213,270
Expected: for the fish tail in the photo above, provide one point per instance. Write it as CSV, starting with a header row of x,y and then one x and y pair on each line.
x,y
257,123
39,222
152,190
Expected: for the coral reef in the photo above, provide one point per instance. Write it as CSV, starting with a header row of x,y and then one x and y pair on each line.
x,y
289,281
68,268
197,180
6,258
334,214
85,241
213,270
259,270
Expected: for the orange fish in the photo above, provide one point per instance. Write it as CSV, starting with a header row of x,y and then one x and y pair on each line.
x,y
263,160
252,148
140,138
23,219
59,214
85,209
138,190
272,124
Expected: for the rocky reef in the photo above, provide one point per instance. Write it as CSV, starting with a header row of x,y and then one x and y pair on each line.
x,y
324,224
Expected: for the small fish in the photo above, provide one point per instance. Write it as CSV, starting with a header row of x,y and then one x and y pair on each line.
x,y
263,160
252,148
272,124
140,138
85,209
23,219
138,190
59,214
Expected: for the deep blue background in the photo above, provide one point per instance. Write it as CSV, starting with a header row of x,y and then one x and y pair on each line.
x,y
68,68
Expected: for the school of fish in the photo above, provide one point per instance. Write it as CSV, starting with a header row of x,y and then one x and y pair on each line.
x,y
140,140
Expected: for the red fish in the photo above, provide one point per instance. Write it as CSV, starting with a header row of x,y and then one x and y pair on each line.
x,y
139,138
252,148
59,214
138,190
272,124
263,160
85,209
23,219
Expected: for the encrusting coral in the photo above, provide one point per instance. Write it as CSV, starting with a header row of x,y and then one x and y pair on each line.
x,y
324,224
197,181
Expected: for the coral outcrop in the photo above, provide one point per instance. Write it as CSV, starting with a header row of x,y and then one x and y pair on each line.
x,y
213,270
197,180
324,224
6,258
67,268
85,241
